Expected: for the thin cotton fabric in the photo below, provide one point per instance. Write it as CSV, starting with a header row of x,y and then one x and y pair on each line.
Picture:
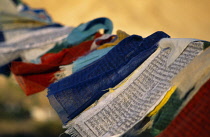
x,y
29,39
34,78
86,60
29,35
24,29
91,83
120,36
83,32
139,94
68,55
185,84
193,120
106,38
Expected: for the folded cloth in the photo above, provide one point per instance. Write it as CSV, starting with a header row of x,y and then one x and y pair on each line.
x,y
135,97
120,36
68,55
90,58
185,81
102,50
71,95
11,22
18,34
31,75
105,47
193,120
103,39
33,38
83,32
173,43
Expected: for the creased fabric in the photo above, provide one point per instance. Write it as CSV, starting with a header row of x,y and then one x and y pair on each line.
x,y
84,32
91,57
120,36
68,55
193,120
30,75
188,77
103,39
37,38
91,83
135,98
177,46
162,102
10,22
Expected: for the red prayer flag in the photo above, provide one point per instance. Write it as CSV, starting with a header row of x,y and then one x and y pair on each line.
x,y
34,78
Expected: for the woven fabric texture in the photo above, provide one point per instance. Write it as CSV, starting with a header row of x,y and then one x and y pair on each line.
x,y
73,94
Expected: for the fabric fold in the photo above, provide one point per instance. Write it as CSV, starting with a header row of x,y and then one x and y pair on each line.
x,y
90,83
177,46
83,31
131,102
43,74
